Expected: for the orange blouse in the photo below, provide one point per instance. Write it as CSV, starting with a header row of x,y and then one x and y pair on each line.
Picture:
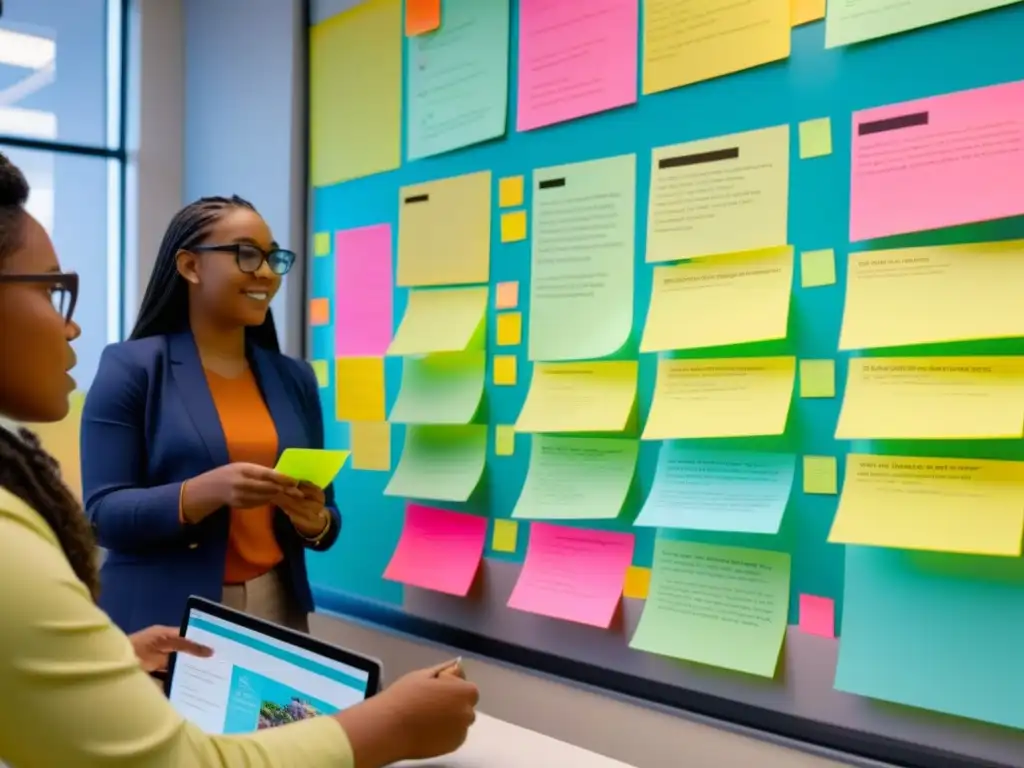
x,y
251,438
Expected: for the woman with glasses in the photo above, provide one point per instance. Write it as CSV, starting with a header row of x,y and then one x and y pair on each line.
x,y
184,423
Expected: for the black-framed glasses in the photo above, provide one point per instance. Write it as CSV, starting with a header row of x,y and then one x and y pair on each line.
x,y
63,287
250,258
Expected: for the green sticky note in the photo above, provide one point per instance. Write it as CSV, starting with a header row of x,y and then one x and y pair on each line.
x,y
504,440
817,268
311,465
821,475
445,388
722,606
580,478
441,463
815,138
817,378
321,369
321,243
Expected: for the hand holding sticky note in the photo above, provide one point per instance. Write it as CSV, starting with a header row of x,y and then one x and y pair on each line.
x,y
311,465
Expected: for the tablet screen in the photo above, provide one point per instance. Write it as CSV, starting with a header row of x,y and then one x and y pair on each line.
x,y
253,681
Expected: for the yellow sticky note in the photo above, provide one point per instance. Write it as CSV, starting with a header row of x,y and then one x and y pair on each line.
x,y
510,329
319,312
638,582
817,378
440,320
513,226
506,536
321,243
506,296
817,268
505,370
510,191
504,440
580,397
322,371
359,389
821,475
973,506
815,138
371,445
804,11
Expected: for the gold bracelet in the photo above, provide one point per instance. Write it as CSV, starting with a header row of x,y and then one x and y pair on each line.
x,y
320,536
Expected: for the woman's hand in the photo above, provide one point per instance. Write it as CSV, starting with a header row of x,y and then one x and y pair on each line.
x,y
238,485
154,645
304,505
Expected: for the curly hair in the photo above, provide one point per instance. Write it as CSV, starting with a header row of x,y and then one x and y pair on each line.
x,y
26,470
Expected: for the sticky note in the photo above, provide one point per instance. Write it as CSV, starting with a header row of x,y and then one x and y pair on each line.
x,y
505,370
513,226
322,372
510,329
371,445
580,397
805,11
506,536
441,320
817,268
815,138
817,378
504,440
319,312
359,388
311,465
638,582
444,463
821,475
506,295
321,243
422,16
439,550
510,191
818,616
440,389
364,288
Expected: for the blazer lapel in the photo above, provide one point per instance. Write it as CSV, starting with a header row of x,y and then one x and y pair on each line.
x,y
267,367
190,378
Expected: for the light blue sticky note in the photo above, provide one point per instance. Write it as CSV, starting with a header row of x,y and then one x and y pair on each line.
x,y
457,78
735,491
935,631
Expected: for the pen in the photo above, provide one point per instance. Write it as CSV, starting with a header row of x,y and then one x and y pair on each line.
x,y
455,664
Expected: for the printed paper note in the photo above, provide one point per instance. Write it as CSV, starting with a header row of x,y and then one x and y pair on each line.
x,y
444,231
908,614
446,388
575,59
854,21
581,478
686,41
510,191
806,11
933,398
970,506
581,274
444,463
422,16
815,138
817,268
732,299
438,550
821,475
310,465
919,295
737,397
573,574
506,295
720,195
709,490
506,536
363,289
579,397
441,320
818,616
817,378
938,162
359,388
722,606
355,93
371,445
504,440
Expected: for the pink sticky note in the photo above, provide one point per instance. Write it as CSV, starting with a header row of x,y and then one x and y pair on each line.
x,y
438,550
575,59
573,574
938,162
817,615
364,283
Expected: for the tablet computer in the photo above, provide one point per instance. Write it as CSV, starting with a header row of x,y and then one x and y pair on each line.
x,y
261,675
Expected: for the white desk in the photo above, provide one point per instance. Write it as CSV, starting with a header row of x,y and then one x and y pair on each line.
x,y
494,743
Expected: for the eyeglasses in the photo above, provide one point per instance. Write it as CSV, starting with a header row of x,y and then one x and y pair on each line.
x,y
63,289
250,258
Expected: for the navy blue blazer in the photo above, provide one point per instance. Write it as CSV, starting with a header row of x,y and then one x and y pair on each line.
x,y
149,424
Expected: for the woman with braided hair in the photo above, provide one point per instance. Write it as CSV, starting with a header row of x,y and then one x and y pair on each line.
x,y
74,688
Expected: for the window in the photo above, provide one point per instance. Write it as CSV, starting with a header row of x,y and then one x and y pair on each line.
x,y
62,123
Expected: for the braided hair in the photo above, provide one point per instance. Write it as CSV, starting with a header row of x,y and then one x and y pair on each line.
x,y
164,307
26,470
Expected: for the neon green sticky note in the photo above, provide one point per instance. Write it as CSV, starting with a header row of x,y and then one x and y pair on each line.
x,y
322,370
817,268
504,440
321,243
815,138
817,378
311,465
821,475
